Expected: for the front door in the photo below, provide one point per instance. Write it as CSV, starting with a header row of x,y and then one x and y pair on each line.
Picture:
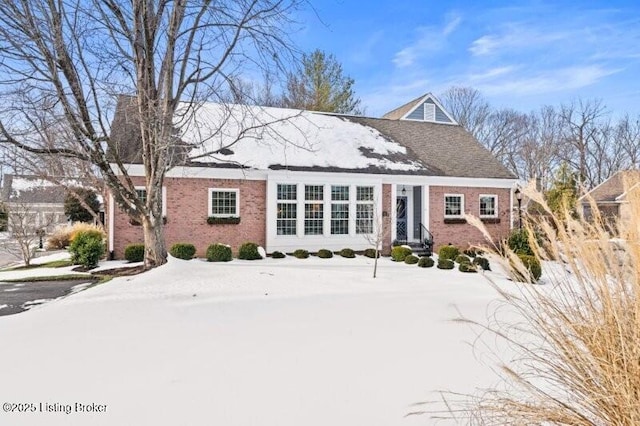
x,y
401,218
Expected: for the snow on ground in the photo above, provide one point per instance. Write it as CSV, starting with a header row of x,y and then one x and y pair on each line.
x,y
269,342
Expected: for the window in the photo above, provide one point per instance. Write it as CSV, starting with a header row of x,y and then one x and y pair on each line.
x,y
488,205
364,210
224,202
339,210
141,191
453,205
142,194
287,209
313,209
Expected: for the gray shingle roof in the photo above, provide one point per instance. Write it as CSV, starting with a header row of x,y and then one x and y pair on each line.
x,y
447,148
613,187
25,189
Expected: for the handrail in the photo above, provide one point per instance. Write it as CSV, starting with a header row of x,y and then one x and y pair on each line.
x,y
425,234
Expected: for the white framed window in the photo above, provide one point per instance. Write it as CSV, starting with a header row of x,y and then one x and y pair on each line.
x,y
287,212
141,191
224,202
339,209
364,210
488,205
453,205
313,209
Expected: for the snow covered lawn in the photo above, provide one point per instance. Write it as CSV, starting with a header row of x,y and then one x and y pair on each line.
x,y
271,342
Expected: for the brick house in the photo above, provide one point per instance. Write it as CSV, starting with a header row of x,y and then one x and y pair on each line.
x,y
289,179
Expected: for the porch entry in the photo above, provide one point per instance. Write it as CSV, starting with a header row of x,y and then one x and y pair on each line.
x,y
408,213
401,218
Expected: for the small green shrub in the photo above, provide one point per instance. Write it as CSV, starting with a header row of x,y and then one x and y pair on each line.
x,y
134,252
519,242
411,259
448,252
249,251
325,254
467,267
482,262
301,254
184,251
426,262
86,249
278,255
461,258
446,264
348,253
398,253
471,252
219,253
370,252
533,265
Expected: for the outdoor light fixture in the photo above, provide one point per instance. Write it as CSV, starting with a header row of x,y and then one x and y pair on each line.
x,y
404,190
519,198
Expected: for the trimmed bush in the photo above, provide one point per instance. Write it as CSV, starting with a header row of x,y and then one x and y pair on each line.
x,y
87,249
482,262
411,259
467,267
448,252
183,251
461,258
446,264
426,262
219,253
519,242
348,253
301,254
278,255
370,252
471,252
533,265
325,254
398,253
249,251
134,252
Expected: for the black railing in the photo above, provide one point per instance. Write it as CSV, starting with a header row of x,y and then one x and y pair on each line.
x,y
426,238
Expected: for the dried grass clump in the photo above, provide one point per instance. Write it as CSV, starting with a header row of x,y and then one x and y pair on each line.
x,y
577,346
63,236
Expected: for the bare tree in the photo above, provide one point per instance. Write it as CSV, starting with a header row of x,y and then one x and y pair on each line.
x,y
627,134
469,108
580,120
27,226
375,228
81,54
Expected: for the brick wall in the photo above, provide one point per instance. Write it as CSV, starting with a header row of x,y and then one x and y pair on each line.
x,y
463,234
187,210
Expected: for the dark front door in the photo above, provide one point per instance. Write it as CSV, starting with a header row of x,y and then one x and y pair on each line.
x,y
401,218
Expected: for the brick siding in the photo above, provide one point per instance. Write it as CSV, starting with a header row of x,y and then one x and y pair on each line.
x,y
187,211
463,234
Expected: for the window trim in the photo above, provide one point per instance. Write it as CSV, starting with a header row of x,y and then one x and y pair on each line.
x,y
371,202
495,206
210,201
290,202
444,205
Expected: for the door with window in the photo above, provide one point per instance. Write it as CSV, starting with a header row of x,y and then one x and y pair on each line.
x,y
401,218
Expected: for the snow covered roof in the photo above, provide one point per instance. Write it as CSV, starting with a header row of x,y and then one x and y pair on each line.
x,y
273,138
33,189
263,138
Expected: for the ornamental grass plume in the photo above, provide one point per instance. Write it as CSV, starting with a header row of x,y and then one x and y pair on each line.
x,y
575,346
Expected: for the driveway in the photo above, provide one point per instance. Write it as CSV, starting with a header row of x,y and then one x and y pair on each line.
x,y
18,297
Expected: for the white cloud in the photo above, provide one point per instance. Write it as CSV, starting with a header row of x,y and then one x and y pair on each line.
x,y
492,73
428,40
548,81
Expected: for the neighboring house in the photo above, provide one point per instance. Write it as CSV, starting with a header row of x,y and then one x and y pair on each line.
x,y
37,202
610,197
301,179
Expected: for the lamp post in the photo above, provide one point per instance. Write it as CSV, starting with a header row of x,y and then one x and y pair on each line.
x,y
519,198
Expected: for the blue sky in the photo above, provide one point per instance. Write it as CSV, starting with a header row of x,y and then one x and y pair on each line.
x,y
520,55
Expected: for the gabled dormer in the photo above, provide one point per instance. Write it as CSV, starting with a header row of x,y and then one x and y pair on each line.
x,y
425,108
